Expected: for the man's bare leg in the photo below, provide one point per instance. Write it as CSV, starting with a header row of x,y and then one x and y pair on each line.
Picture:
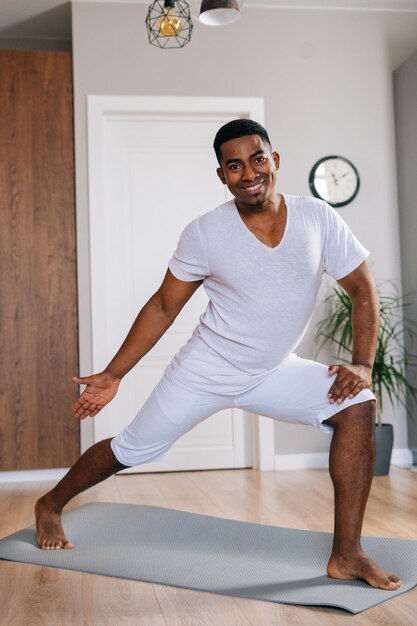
x,y
352,457
95,465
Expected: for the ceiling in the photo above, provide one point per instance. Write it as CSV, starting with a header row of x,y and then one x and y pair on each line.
x,y
51,19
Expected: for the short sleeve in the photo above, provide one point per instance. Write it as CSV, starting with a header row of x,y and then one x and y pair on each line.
x,y
189,262
343,252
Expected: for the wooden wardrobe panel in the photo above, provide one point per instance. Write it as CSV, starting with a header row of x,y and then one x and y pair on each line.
x,y
38,310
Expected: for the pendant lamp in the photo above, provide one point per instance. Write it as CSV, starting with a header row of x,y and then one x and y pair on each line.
x,y
219,12
169,23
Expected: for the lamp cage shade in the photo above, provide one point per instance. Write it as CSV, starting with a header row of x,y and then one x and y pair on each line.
x,y
169,23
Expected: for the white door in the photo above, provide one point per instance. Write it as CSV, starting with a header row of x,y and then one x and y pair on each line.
x,y
151,171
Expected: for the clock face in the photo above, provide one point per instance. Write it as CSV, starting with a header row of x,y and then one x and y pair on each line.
x,y
334,179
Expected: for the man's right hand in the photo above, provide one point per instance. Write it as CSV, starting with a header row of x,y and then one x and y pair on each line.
x,y
100,389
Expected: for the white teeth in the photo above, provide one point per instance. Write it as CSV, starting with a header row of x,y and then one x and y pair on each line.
x,y
254,187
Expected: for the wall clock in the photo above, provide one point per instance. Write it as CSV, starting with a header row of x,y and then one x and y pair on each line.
x,y
334,179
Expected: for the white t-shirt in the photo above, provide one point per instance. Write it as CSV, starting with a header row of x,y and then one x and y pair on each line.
x,y
260,299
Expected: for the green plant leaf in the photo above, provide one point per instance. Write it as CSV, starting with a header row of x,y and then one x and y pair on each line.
x,y
392,359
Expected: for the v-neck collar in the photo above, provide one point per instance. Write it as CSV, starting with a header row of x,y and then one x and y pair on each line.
x,y
243,226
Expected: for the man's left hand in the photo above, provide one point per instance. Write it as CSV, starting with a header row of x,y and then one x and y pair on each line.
x,y
350,380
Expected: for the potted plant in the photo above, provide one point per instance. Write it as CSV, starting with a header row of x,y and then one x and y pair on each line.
x,y
391,360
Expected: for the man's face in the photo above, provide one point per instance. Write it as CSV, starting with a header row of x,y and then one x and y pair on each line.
x,y
249,169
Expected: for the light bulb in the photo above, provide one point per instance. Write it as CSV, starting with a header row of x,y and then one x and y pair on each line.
x,y
170,24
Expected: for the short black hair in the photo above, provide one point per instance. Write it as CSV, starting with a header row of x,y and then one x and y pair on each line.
x,y
235,129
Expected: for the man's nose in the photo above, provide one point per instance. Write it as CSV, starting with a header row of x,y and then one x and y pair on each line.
x,y
248,172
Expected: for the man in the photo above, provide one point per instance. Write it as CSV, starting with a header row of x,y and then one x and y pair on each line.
x,y
261,258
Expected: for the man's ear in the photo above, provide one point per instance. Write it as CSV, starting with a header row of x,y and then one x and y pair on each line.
x,y
221,175
276,158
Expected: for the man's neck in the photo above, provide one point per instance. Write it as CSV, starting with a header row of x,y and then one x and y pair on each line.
x,y
270,207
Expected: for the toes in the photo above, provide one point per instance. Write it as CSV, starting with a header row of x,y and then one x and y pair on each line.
x,y
394,579
60,544
390,582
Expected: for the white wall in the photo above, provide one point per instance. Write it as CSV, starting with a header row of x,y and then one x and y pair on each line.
x,y
326,77
405,81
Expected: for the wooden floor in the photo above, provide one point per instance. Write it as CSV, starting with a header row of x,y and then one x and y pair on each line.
x,y
31,595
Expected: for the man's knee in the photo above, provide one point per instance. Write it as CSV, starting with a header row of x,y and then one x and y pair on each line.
x,y
356,416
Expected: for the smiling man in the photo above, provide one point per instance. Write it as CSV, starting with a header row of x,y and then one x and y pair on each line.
x,y
260,257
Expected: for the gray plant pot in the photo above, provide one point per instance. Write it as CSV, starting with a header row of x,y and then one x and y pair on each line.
x,y
384,439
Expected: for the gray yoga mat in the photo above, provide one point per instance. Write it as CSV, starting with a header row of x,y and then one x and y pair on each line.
x,y
229,557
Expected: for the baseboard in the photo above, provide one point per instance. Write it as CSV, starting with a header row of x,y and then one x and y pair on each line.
x,y
23,476
320,460
312,460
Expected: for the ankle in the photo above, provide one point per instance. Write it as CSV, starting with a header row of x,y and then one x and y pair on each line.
x,y
51,503
346,553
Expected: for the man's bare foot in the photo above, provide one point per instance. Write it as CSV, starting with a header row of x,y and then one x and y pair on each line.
x,y
50,534
362,567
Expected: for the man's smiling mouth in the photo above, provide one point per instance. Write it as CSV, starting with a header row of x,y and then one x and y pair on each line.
x,y
253,187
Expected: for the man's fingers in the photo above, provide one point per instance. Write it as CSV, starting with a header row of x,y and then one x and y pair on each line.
x,y
345,387
358,388
83,412
78,403
99,390
338,384
86,380
84,408
81,407
340,389
349,381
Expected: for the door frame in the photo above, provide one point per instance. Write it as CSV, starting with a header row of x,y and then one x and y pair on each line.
x,y
103,108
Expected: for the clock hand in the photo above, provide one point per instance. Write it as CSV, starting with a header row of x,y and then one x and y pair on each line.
x,y
342,176
334,178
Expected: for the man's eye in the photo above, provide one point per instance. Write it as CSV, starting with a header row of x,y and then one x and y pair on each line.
x,y
260,159
234,167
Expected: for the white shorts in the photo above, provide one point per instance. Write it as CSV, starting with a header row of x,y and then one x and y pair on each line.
x,y
295,392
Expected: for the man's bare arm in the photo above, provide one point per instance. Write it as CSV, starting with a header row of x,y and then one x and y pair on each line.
x,y
152,322
351,379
